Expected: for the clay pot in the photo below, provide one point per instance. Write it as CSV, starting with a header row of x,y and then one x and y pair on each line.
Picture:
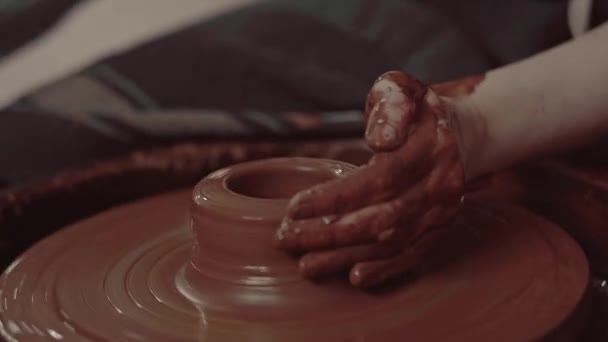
x,y
237,211
235,214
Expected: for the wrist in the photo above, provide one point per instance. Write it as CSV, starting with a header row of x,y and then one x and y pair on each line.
x,y
472,134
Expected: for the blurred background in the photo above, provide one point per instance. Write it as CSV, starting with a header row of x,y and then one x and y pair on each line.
x,y
85,81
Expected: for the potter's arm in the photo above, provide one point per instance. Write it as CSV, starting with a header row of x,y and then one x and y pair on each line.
x,y
553,101
382,219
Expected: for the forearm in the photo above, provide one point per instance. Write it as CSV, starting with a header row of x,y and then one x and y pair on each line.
x,y
547,103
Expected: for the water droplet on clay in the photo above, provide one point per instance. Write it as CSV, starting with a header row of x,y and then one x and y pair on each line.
x,y
54,334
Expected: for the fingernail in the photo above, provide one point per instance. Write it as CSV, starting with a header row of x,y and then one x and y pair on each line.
x,y
310,268
281,236
380,134
298,206
384,132
386,235
303,266
279,240
355,277
329,219
299,211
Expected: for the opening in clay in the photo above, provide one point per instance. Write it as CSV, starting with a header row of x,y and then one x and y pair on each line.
x,y
275,184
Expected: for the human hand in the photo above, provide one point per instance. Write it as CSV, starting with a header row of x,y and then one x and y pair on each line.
x,y
381,219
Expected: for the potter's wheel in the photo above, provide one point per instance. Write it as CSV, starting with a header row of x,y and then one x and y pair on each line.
x,y
123,275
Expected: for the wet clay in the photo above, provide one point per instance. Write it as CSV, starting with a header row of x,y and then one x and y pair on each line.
x,y
200,265
397,204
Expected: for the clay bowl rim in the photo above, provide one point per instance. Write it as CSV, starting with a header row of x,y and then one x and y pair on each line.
x,y
214,191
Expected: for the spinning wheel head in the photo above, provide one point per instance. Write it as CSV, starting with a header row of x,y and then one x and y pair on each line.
x,y
199,265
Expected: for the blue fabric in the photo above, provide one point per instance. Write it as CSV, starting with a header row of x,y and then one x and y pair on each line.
x,y
278,70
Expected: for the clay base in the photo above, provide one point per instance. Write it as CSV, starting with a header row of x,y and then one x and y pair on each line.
x,y
503,275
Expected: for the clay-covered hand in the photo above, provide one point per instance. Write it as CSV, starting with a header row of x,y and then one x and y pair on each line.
x,y
381,219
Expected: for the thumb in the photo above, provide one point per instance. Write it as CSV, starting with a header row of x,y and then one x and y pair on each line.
x,y
391,109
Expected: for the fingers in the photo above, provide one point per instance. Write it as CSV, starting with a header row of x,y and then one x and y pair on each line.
x,y
415,244
361,226
387,125
373,273
446,182
390,110
438,216
447,178
381,180
375,262
373,222
318,264
380,262
363,186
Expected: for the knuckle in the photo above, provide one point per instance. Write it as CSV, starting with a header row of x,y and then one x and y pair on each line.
x,y
454,181
393,211
338,203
